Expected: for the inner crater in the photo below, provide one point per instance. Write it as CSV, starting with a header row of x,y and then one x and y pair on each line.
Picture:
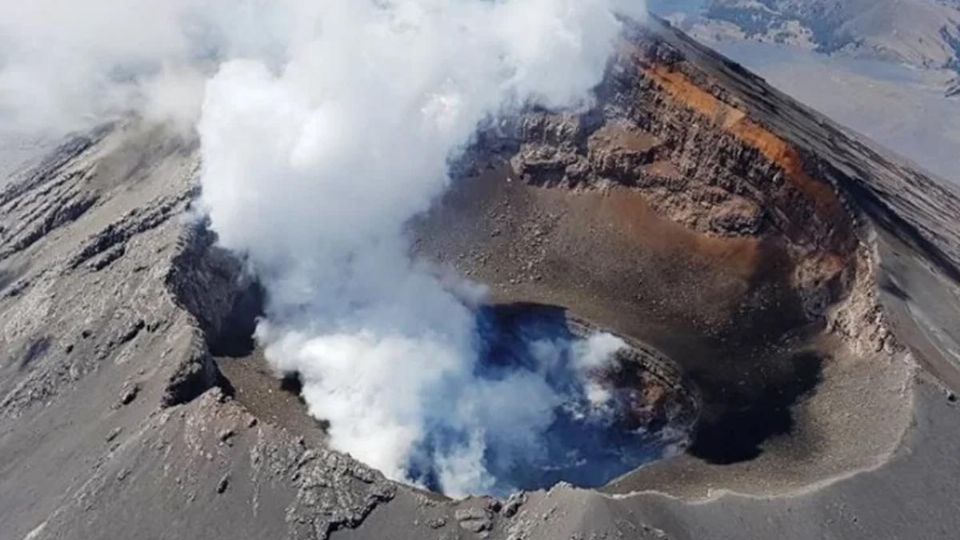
x,y
620,403
623,404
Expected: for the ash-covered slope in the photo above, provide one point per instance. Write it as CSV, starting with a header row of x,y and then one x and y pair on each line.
x,y
806,284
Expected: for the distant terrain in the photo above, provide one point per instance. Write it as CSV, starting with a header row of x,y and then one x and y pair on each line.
x,y
919,33
886,68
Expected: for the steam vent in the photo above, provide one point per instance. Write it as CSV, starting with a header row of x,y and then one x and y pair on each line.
x,y
693,309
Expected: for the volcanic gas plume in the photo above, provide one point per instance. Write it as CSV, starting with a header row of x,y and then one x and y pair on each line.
x,y
313,170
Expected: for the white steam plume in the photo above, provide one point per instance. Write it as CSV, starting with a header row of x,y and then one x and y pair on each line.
x,y
68,65
313,171
325,126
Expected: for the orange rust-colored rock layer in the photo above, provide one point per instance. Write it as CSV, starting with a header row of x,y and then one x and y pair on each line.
x,y
737,123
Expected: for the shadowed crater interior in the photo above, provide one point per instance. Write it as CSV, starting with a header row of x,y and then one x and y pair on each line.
x,y
745,422
617,415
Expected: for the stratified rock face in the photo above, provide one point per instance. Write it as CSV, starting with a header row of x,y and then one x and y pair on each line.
x,y
666,139
793,274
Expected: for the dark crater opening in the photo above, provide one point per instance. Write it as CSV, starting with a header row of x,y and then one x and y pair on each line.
x,y
739,424
647,408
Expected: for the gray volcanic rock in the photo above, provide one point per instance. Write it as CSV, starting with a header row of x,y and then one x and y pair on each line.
x,y
806,283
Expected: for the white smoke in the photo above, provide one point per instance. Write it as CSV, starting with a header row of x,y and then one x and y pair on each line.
x,y
314,169
586,360
68,65
325,127
590,356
